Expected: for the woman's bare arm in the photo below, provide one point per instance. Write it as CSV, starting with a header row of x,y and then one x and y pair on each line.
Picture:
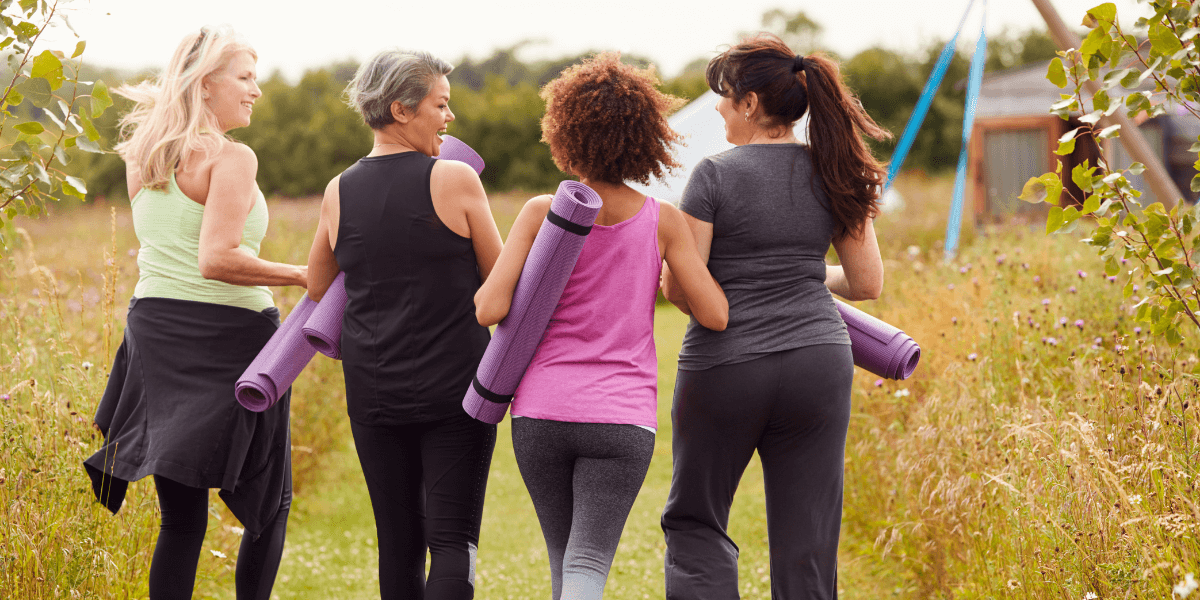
x,y
494,298
860,276
688,278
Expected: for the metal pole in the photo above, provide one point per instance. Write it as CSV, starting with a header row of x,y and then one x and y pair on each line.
x,y
1135,143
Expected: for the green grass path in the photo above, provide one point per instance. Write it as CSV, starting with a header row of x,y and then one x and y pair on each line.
x,y
331,552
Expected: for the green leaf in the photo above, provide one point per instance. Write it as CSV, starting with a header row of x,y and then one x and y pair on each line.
x,y
37,90
1109,132
1055,221
1082,176
88,145
30,127
1173,336
75,187
1100,101
1163,40
1196,183
100,99
1102,16
47,65
1130,79
15,99
1127,291
89,129
1092,117
1091,204
1065,148
1046,188
79,49
1111,267
1092,44
1056,73
1136,168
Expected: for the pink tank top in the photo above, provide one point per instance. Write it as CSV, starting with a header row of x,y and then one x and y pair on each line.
x,y
596,362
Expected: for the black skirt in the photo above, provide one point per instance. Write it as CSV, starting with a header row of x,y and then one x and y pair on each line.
x,y
169,409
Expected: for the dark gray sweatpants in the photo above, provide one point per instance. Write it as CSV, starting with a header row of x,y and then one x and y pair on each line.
x,y
793,407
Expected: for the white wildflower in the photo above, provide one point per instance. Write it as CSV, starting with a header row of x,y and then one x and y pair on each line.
x,y
86,365
218,553
901,393
1135,499
1090,596
1185,588
237,530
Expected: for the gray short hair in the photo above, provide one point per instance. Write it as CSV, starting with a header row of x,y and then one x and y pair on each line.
x,y
389,76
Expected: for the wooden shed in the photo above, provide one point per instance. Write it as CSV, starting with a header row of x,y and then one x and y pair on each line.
x,y
1015,137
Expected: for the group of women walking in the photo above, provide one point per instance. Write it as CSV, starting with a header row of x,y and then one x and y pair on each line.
x,y
765,365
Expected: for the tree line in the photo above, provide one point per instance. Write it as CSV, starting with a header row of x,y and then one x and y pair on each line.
x,y
304,134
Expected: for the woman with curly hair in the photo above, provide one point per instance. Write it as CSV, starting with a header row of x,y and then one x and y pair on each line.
x,y
584,415
778,379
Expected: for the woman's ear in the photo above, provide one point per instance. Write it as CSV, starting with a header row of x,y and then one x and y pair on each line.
x,y
400,113
750,105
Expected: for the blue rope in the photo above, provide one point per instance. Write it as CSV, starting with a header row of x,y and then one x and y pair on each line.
x,y
922,108
954,223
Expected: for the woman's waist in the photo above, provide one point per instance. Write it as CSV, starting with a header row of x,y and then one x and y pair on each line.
x,y
167,285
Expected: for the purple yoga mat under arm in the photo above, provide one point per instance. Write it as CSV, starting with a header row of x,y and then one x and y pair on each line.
x,y
543,278
454,149
877,346
278,363
323,329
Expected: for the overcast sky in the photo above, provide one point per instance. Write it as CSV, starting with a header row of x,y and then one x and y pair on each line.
x,y
294,35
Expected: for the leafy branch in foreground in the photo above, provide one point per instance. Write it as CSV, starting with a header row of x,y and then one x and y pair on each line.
x,y
1154,246
45,110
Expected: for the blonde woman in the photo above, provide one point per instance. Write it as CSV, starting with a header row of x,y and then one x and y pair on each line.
x,y
201,311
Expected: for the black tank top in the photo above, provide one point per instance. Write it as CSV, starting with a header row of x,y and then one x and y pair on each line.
x,y
410,340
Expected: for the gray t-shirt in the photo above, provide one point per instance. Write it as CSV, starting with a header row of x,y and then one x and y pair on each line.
x,y
771,230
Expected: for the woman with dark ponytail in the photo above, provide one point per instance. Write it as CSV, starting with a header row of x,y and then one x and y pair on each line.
x,y
777,380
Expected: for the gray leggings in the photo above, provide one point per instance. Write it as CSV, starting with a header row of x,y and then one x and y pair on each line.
x,y
583,479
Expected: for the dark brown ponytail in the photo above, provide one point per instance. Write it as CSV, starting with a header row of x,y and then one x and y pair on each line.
x,y
787,86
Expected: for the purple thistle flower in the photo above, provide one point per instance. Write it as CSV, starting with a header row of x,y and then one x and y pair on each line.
x,y
1079,323
1082,274
1112,278
954,320
1137,331
878,383
975,280
963,269
4,397
950,287
1051,341
1037,278
1000,259
1098,341
1045,302
972,356
1072,289
1062,320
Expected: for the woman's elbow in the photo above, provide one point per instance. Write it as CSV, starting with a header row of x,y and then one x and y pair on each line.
x,y
716,320
210,267
489,313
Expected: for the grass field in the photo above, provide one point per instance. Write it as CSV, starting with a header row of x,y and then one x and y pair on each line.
x,y
1045,447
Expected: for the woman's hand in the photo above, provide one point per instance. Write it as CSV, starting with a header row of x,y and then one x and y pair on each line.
x,y
232,192
860,276
494,298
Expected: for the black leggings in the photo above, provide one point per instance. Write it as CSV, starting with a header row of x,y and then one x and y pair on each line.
x,y
184,522
583,479
793,407
427,483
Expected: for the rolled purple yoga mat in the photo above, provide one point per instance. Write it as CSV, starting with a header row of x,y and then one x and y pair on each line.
x,y
543,278
454,149
323,329
879,347
278,363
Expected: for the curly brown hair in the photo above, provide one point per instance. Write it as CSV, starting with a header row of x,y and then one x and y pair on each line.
x,y
606,121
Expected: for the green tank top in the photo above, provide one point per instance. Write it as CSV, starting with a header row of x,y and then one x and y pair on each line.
x,y
167,224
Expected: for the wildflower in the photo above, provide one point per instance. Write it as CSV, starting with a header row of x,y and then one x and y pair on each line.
x,y
1062,320
965,268
1013,584
954,320
972,356
133,252
950,287
1045,302
1024,380
1137,331
878,383
1186,587
1090,596
914,251
4,397
1135,288
901,393
1071,289
1082,274
86,365
1135,499
218,553
237,530
1000,259
1051,341
1037,278
1025,266
1112,278
1098,341
975,280
1079,323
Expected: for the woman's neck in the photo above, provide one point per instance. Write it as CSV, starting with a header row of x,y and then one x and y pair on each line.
x,y
389,141
621,202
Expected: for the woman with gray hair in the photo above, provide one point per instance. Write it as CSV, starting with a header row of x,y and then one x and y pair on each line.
x,y
415,238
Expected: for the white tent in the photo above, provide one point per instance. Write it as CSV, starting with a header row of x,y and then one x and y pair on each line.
x,y
703,132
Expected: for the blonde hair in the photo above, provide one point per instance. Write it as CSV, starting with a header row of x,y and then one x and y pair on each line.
x,y
170,121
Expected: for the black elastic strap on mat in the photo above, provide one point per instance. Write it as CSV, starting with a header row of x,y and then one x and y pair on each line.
x,y
574,228
489,394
